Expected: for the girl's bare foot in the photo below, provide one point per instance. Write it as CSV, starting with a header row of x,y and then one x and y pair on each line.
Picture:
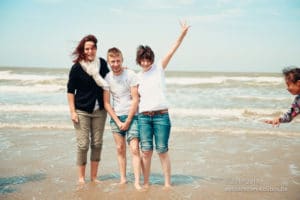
x,y
123,181
167,186
81,181
96,181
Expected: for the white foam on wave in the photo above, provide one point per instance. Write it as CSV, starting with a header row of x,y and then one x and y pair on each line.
x,y
223,113
33,108
222,79
36,125
180,112
263,98
8,75
236,131
33,88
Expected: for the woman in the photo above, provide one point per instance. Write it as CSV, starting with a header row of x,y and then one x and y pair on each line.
x,y
153,115
85,100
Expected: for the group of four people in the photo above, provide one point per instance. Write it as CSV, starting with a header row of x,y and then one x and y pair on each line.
x,y
139,111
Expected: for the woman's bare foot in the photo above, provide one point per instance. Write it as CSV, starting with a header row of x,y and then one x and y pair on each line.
x,y
146,185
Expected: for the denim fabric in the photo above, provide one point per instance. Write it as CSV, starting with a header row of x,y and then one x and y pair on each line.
x,y
157,127
131,133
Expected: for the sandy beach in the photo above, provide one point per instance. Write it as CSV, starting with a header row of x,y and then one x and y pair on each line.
x,y
40,164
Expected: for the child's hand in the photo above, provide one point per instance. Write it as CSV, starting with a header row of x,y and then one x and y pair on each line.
x,y
275,122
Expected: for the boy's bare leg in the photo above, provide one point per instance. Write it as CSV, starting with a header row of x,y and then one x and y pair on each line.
x,y
121,155
136,162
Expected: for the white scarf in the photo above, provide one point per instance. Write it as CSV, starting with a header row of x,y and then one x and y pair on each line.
x,y
92,68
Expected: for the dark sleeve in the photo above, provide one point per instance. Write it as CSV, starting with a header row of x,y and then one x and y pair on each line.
x,y
292,112
71,86
104,68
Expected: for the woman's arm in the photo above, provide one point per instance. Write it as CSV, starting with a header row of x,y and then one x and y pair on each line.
x,y
167,58
71,101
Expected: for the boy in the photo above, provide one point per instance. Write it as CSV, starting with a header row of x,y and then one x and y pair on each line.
x,y
292,80
123,88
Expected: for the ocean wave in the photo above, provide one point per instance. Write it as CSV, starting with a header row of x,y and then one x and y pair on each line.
x,y
37,125
33,108
9,75
190,129
236,131
225,113
182,112
33,88
223,79
262,98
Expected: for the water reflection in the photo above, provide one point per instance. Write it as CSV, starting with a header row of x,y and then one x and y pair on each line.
x,y
7,183
156,178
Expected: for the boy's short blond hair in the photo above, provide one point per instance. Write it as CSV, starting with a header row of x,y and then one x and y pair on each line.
x,y
114,52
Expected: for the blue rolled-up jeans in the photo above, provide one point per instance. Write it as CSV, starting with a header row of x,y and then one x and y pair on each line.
x,y
156,126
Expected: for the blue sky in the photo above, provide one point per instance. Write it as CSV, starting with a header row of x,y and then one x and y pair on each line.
x,y
226,35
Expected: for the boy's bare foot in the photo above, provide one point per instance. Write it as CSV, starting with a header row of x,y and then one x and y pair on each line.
x,y
137,186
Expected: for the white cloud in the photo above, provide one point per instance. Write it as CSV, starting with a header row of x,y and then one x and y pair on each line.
x,y
185,2
230,13
116,11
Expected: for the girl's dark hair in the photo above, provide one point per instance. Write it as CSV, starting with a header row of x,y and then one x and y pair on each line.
x,y
144,52
78,53
292,74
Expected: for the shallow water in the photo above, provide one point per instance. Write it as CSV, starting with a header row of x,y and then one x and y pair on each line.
x,y
40,164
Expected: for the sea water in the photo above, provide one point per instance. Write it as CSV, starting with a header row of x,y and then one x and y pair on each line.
x,y
211,101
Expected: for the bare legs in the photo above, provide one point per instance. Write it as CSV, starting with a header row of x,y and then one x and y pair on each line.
x,y
94,171
121,155
166,166
81,174
136,162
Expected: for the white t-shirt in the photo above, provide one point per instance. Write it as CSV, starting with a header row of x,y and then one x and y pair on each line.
x,y
120,87
152,89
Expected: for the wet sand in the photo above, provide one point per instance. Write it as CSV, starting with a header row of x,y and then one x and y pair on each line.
x,y
40,164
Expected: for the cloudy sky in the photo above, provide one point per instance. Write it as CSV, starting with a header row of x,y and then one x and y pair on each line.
x,y
225,35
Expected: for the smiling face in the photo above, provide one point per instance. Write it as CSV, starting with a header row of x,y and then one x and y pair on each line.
x,y
115,63
90,50
145,64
